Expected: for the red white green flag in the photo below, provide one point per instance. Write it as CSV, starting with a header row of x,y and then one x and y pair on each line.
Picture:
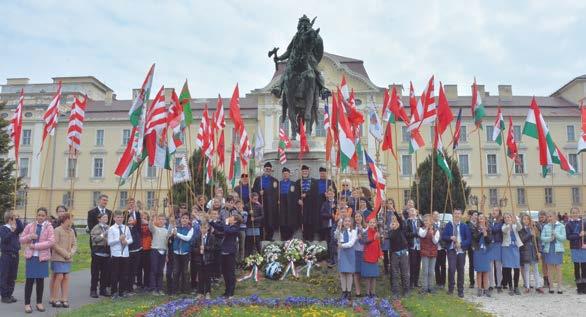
x,y
499,128
478,111
582,141
512,150
346,138
284,143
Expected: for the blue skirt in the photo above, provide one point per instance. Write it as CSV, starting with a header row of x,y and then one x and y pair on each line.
x,y
36,269
346,260
60,267
578,255
386,245
481,260
552,257
511,257
359,256
495,252
369,269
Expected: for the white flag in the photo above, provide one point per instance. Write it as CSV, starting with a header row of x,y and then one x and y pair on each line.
x,y
181,171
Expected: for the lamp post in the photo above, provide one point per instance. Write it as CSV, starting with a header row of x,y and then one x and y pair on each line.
x,y
473,200
26,188
503,202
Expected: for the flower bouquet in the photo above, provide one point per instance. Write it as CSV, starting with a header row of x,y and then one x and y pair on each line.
x,y
294,250
253,261
272,253
312,254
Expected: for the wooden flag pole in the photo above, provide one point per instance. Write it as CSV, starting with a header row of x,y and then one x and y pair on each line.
x,y
455,154
417,182
481,168
43,170
509,172
16,171
397,203
432,161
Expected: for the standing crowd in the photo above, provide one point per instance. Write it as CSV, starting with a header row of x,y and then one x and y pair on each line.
x,y
132,250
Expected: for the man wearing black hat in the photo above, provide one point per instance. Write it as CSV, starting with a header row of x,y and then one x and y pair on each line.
x,y
266,186
289,217
323,184
308,200
243,191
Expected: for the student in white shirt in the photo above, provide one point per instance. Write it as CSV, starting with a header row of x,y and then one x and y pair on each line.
x,y
119,238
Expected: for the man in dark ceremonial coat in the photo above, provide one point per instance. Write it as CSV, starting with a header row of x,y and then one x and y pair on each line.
x,y
308,202
266,186
323,184
289,213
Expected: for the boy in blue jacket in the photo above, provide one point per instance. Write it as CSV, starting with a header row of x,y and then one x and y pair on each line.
x,y
183,235
458,238
9,259
231,231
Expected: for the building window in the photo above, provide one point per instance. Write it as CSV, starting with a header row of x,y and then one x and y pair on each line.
x,y
71,168
573,160
571,133
406,165
491,167
100,137
150,199
23,167
405,135
123,199
98,167
20,199
319,126
517,133
463,164
489,130
26,137
494,198
548,195
576,197
463,134
521,196
67,200
520,164
151,172
96,197
406,196
125,136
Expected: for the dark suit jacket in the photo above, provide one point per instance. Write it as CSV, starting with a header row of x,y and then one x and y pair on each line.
x,y
269,200
92,217
311,206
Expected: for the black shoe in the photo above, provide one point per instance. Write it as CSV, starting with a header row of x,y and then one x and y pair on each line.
x,y
517,292
461,295
499,290
13,299
471,285
105,293
94,294
6,300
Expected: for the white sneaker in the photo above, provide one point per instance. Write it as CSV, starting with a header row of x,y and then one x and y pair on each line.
x,y
208,296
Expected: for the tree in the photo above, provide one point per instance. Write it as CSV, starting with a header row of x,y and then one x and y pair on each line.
x,y
197,170
6,170
441,200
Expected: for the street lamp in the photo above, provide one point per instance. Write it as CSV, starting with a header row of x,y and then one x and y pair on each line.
x,y
473,200
503,202
26,188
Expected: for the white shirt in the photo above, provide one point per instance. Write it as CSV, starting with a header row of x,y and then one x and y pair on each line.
x,y
116,248
423,232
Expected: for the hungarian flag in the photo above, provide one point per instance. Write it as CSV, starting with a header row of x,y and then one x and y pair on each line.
x,y
582,142
284,143
457,131
549,153
303,145
75,128
478,111
221,148
176,122
16,125
415,105
344,88
51,115
440,155
512,150
388,140
346,140
204,138
136,110
156,129
377,181
185,100
127,164
416,141
244,145
396,107
354,116
218,122
209,171
425,111
232,162
499,128
444,113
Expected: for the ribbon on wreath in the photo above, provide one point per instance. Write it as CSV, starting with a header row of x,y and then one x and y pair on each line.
x,y
253,274
290,268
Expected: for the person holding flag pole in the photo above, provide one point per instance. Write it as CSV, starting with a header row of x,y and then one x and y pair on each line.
x,y
15,133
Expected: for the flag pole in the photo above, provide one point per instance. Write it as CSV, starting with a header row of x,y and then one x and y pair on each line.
x,y
44,169
509,172
417,183
455,154
432,161
481,169
16,182
397,203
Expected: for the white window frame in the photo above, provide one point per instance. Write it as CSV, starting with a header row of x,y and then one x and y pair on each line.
x,y
26,141
496,165
94,167
467,172
403,173
571,136
99,142
67,167
519,202
124,139
463,134
22,166
521,157
545,194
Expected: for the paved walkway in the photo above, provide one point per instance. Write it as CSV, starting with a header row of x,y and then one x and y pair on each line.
x,y
79,292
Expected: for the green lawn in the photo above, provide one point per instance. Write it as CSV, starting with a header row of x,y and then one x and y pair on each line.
x,y
81,260
261,311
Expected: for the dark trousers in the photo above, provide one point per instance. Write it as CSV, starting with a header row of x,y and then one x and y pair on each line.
x,y
456,263
194,268
414,267
399,274
508,279
252,244
8,272
119,277
144,270
269,232
333,247
440,268
286,233
181,273
204,284
133,269
579,273
228,267
28,290
308,232
169,271
157,265
324,234
100,272
471,272
386,261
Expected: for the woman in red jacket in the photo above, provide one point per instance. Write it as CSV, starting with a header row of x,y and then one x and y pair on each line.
x,y
369,269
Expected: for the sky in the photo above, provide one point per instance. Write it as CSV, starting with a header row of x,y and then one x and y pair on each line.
x,y
535,46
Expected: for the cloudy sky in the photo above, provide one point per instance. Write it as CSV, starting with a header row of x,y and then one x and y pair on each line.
x,y
536,46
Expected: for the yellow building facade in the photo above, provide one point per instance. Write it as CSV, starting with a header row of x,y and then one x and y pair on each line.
x,y
50,176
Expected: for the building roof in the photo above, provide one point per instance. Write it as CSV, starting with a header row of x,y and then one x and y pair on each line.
x,y
559,91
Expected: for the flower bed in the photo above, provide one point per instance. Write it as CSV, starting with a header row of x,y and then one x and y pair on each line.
x,y
295,305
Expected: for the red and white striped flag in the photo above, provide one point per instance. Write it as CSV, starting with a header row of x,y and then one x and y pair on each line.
x,y
284,143
219,123
16,125
51,115
176,120
155,136
76,118
303,145
202,141
221,147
